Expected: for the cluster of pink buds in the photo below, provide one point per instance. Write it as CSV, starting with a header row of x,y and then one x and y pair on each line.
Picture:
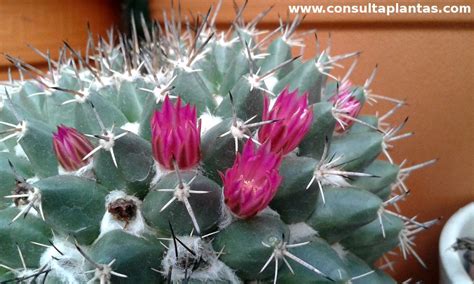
x,y
176,135
293,121
253,180
250,184
71,147
347,107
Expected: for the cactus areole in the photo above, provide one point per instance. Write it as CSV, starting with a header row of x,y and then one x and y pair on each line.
x,y
194,155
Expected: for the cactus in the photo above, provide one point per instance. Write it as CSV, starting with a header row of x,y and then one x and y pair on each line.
x,y
193,156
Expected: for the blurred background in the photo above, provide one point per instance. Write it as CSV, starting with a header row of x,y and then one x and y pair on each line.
x,y
426,59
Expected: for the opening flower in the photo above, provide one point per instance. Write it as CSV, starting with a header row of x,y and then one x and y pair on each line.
x,y
346,107
71,147
294,120
176,135
253,180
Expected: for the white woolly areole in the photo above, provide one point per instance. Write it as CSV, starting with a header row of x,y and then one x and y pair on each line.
x,y
85,75
272,103
131,76
163,77
227,217
106,81
131,127
300,232
335,180
109,143
149,78
221,40
136,226
238,130
19,152
85,171
340,250
218,99
33,179
208,121
159,173
82,98
254,81
211,268
182,63
67,267
270,82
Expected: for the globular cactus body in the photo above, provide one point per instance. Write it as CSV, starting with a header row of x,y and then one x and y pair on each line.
x,y
197,157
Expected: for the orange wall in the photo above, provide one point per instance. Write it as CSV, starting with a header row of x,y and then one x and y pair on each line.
x,y
46,23
429,60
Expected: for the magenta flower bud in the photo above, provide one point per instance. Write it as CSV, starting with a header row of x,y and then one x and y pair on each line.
x,y
294,120
344,102
176,135
253,180
71,147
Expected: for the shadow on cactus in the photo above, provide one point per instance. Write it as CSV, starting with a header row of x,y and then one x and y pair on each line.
x,y
198,156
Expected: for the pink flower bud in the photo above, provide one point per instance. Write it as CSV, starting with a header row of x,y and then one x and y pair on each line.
x,y
253,180
176,135
71,147
344,102
294,120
